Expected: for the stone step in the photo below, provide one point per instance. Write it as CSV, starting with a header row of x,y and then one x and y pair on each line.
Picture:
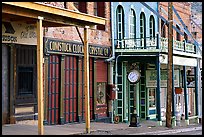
x,y
25,113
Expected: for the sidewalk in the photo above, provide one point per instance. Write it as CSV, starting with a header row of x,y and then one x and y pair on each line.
x,y
97,128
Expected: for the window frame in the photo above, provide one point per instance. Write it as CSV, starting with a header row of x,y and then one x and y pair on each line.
x,y
142,29
151,27
120,24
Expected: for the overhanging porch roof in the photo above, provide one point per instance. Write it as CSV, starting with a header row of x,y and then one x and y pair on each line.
x,y
53,16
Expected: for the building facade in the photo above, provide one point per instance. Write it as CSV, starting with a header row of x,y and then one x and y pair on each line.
x,y
196,22
73,100
127,65
63,67
186,102
141,44
135,30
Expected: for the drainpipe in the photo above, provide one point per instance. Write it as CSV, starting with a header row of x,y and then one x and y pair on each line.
x,y
112,35
111,102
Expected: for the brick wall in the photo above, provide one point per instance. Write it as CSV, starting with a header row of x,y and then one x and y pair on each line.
x,y
98,37
184,11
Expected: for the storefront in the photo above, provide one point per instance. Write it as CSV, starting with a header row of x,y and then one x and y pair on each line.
x,y
19,55
149,94
64,81
27,73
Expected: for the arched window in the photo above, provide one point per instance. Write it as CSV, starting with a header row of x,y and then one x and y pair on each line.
x,y
142,29
151,27
178,36
163,29
185,35
120,25
132,27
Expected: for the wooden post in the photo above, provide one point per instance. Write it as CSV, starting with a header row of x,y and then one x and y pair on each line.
x,y
12,83
86,75
170,62
40,74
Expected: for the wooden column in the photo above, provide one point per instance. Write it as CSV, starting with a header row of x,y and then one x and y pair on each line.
x,y
170,62
12,85
62,90
40,74
86,82
46,89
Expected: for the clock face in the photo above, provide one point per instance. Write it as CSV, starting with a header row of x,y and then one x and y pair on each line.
x,y
134,76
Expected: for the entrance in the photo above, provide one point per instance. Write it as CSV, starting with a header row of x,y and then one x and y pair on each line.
x,y
26,83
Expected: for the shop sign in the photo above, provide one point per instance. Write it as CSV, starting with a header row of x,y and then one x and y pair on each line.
x,y
55,46
151,78
19,33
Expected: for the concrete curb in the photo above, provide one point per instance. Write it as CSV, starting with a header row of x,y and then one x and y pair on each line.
x,y
171,131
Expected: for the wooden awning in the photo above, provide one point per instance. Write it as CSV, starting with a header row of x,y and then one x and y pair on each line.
x,y
53,16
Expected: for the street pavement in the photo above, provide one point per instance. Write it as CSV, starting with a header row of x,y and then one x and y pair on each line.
x,y
147,127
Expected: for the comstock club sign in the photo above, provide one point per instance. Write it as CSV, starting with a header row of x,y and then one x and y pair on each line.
x,y
55,46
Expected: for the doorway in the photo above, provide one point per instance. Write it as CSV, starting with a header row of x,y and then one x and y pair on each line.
x,y
26,82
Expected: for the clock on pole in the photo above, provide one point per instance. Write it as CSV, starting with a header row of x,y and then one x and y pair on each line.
x,y
134,76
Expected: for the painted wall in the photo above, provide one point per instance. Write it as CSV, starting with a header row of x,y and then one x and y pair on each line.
x,y
138,8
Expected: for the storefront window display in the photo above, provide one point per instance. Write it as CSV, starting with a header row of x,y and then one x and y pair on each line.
x,y
152,97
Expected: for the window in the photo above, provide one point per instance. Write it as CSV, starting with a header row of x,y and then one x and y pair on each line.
x,y
152,27
76,4
142,29
132,27
178,36
65,5
95,8
152,97
120,25
163,29
25,80
81,6
99,10
185,35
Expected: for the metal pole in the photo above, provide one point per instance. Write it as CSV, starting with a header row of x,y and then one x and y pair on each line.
x,y
173,99
40,74
185,95
86,75
158,89
170,62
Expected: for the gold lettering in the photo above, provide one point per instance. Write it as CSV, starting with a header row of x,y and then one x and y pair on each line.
x,y
51,45
74,48
91,50
60,46
101,51
105,51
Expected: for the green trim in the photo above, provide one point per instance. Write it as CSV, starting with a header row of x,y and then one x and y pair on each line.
x,y
125,100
